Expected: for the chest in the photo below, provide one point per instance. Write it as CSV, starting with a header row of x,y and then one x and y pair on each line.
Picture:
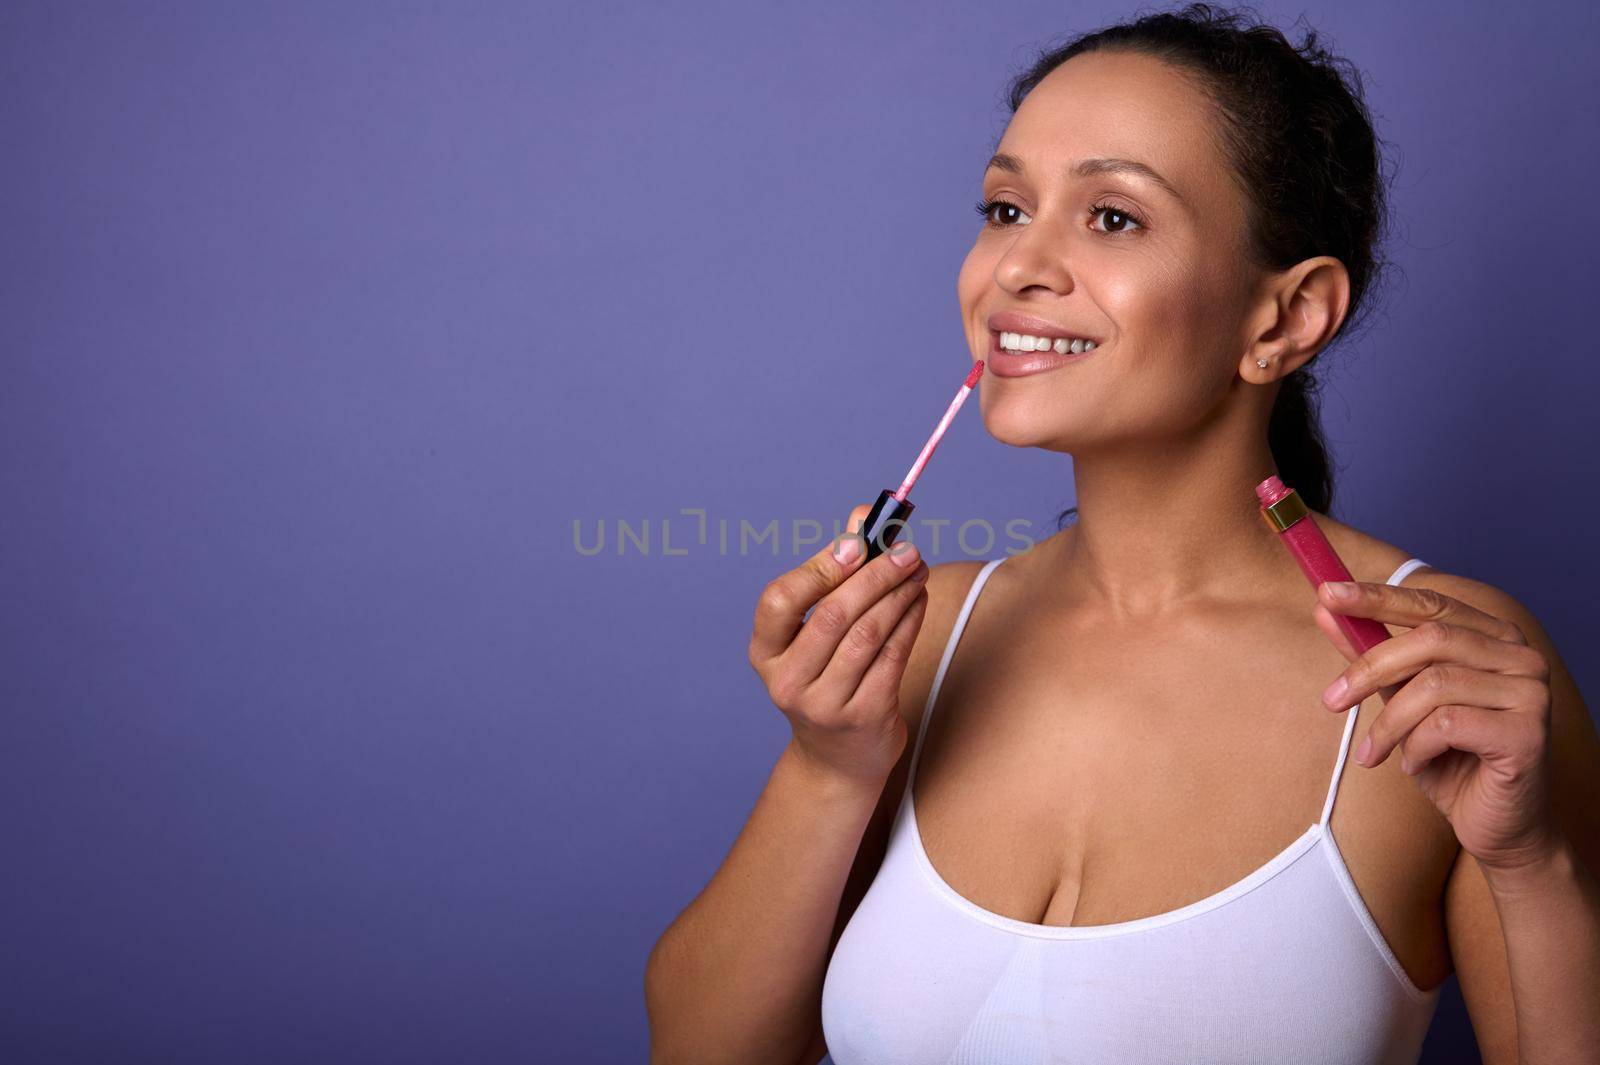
x,y
1073,775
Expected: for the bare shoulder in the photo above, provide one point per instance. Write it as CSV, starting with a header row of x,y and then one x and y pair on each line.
x,y
1365,554
948,584
1367,557
1371,559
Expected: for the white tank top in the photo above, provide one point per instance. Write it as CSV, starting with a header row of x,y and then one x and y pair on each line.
x,y
1285,965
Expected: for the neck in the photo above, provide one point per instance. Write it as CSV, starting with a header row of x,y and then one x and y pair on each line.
x,y
1168,526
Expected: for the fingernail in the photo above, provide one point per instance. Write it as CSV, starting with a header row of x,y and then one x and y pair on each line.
x,y
1363,749
1341,589
921,574
904,553
1336,691
846,550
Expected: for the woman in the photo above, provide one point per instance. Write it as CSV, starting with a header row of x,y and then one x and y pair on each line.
x,y
1086,833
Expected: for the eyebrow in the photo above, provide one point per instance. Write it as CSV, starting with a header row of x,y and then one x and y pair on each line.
x,y
1090,167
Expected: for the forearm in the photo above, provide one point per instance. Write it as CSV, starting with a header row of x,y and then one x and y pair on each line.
x,y
737,977
1550,917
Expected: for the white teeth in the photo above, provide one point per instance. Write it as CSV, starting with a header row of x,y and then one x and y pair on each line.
x,y
1028,342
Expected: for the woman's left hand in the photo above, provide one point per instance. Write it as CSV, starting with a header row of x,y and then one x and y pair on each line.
x,y
1467,703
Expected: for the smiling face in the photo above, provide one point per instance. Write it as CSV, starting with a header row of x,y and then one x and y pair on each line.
x,y
1158,276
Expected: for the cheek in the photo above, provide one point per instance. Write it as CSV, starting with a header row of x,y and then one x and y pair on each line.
x,y
1172,313
1172,360
1154,301
974,280
976,271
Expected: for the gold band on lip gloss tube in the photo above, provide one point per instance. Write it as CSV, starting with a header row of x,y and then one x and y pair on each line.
x,y
1285,512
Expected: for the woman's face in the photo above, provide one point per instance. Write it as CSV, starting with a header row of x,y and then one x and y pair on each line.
x,y
1157,276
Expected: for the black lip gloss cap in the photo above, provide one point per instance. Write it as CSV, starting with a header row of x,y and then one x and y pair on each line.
x,y
884,522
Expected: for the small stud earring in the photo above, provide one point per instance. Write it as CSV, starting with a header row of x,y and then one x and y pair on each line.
x,y
1261,363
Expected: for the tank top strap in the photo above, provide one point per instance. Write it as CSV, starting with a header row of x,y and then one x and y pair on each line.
x,y
1405,570
944,662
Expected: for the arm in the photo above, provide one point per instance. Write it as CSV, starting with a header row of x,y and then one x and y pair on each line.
x,y
738,975
1526,943
1549,914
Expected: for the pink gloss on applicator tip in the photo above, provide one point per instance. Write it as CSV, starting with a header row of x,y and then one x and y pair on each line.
x,y
1288,516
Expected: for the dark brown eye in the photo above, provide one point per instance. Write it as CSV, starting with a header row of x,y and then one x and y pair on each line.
x,y
1009,213
1117,220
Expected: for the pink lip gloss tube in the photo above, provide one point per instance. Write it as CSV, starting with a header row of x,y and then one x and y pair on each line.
x,y
1287,515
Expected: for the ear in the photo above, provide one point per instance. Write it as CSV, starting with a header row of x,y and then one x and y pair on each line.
x,y
1301,308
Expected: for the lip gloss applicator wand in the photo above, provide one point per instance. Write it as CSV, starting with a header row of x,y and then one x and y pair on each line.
x,y
888,515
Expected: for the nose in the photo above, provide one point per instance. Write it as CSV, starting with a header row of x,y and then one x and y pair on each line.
x,y
1036,259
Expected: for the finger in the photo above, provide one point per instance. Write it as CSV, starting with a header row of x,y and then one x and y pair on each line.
x,y
1506,741
1404,656
881,682
783,604
1401,605
1434,687
865,639
1330,628
833,618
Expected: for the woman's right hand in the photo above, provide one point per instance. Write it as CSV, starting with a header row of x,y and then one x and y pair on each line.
x,y
836,675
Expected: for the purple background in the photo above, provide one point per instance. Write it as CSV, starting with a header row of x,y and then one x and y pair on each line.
x,y
322,325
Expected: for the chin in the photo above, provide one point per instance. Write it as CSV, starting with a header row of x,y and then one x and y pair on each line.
x,y
1033,421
